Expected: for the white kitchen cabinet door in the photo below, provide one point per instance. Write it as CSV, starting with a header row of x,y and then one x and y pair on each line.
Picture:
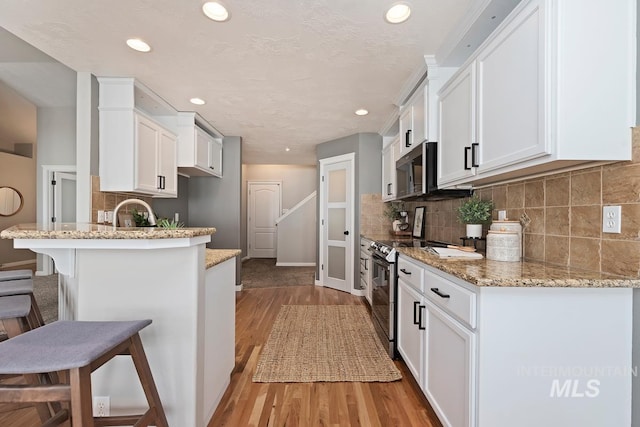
x,y
450,369
411,327
203,149
511,92
389,170
167,164
457,127
420,114
406,131
146,155
215,157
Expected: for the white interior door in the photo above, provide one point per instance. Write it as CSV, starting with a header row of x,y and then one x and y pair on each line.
x,y
336,223
64,193
264,208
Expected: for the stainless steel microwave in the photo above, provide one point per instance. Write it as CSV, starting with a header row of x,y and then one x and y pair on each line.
x,y
417,175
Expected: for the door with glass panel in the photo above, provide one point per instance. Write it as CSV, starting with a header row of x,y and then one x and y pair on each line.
x,y
336,222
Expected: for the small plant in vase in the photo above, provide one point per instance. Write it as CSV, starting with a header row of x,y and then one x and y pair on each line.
x,y
396,213
474,212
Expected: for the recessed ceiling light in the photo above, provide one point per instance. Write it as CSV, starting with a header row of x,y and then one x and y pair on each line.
x,y
197,101
362,112
216,11
287,149
139,45
397,13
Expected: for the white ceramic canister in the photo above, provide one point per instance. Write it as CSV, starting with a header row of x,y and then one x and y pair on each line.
x,y
507,225
503,245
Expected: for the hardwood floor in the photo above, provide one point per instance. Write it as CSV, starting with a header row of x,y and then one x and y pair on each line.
x,y
245,403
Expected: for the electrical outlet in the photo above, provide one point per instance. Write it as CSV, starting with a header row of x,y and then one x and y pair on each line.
x,y
502,215
100,217
611,219
108,217
101,406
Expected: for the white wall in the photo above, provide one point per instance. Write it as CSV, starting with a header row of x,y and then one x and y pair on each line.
x,y
298,181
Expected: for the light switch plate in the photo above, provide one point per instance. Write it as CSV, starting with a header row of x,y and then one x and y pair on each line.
x,y
612,219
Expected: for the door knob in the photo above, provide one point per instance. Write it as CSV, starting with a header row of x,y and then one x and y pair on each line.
x,y
346,233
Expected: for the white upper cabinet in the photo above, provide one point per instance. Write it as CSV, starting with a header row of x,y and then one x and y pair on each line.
x,y
413,121
457,112
541,103
199,152
389,169
137,154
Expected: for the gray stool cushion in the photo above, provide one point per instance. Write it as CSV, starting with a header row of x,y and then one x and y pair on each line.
x,y
14,306
63,345
16,287
15,274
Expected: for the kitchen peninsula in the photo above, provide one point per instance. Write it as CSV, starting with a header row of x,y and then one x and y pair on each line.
x,y
166,275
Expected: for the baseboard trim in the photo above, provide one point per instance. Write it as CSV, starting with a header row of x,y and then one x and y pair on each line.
x,y
239,287
18,263
318,283
295,264
245,258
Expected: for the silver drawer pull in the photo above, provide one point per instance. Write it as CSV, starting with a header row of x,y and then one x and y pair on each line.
x,y
440,294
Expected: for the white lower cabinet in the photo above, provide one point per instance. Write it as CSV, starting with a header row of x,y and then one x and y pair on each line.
x,y
450,368
516,356
411,330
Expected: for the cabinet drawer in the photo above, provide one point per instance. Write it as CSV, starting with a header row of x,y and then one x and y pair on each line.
x,y
453,299
411,273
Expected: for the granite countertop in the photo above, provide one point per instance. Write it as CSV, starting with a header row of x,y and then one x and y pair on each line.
x,y
218,256
100,231
485,272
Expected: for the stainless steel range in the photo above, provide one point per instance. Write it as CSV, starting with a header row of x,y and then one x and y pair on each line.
x,y
383,300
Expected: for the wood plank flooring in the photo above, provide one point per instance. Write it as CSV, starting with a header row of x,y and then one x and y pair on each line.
x,y
245,403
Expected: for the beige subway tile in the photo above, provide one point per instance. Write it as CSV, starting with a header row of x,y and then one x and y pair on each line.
x,y
534,247
585,253
635,143
556,249
620,257
556,221
621,184
514,214
534,194
109,201
515,196
557,190
586,187
95,183
586,221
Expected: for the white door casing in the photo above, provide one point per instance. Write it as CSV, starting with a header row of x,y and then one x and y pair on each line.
x,y
337,222
264,207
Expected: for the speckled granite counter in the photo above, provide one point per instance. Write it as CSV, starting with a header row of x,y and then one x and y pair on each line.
x,y
99,231
519,274
218,256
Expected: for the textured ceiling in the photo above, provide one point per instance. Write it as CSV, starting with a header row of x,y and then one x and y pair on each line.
x,y
280,73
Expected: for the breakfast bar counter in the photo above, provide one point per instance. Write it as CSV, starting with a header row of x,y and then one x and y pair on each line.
x,y
167,275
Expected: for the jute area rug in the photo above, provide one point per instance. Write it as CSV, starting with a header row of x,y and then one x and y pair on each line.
x,y
314,343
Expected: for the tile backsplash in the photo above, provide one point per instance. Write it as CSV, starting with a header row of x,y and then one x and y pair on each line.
x,y
107,201
565,211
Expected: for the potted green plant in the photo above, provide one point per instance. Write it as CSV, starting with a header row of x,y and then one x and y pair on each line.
x,y
397,215
474,212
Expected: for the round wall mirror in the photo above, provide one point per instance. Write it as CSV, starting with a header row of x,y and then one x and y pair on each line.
x,y
11,201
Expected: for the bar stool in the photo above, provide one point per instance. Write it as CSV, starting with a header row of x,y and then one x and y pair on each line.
x,y
15,274
78,348
23,287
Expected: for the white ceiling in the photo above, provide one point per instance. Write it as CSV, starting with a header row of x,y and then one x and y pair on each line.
x,y
280,73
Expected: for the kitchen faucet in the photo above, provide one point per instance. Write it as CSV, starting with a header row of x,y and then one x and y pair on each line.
x,y
152,218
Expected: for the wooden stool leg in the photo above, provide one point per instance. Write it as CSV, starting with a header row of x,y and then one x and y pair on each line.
x,y
81,400
146,379
35,311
